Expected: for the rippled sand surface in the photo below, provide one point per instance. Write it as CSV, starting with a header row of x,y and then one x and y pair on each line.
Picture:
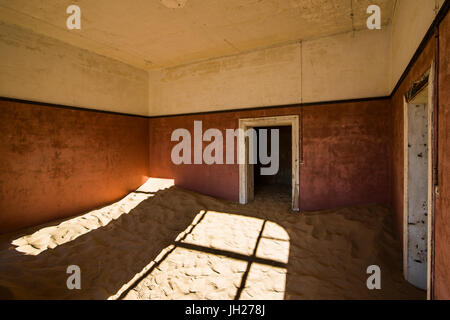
x,y
176,244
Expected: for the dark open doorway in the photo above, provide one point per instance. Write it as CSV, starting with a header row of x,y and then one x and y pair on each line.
x,y
282,180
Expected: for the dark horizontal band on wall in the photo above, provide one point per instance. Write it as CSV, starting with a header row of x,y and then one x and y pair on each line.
x,y
321,103
61,106
298,105
195,113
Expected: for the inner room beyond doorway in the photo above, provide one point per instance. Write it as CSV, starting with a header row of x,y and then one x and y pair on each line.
x,y
282,180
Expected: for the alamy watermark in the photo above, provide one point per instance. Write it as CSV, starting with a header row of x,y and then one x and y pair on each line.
x,y
374,21
74,20
213,153
374,280
74,280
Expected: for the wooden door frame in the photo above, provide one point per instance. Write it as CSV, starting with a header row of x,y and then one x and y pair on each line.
x,y
293,122
430,198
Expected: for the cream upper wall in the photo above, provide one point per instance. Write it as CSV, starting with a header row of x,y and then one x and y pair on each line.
x,y
360,64
346,66
350,65
343,66
410,23
38,68
265,77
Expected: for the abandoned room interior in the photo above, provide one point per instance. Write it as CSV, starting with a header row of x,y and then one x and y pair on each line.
x,y
229,150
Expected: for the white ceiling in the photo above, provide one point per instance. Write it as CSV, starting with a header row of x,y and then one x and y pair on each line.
x,y
161,33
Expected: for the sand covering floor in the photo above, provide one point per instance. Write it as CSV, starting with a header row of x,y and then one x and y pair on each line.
x,y
176,244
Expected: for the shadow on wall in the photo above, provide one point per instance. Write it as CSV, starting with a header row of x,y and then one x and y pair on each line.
x,y
176,244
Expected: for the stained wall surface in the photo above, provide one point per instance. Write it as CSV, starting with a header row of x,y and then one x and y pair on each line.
x,y
344,66
345,149
37,68
59,162
167,33
410,23
441,225
442,214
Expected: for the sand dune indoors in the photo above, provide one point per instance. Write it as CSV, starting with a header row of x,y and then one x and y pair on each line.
x,y
176,244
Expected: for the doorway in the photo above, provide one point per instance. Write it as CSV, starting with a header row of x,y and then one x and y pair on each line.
x,y
247,169
418,182
282,180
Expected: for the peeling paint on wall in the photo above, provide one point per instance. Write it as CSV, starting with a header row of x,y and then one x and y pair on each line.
x,y
344,66
174,4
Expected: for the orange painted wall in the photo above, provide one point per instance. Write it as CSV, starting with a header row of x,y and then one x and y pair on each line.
x,y
442,214
442,207
57,162
346,151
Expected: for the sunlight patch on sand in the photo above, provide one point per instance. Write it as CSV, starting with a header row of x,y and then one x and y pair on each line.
x,y
265,283
156,184
214,258
171,246
53,236
224,231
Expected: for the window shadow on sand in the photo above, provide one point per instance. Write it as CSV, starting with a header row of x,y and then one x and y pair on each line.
x,y
178,244
109,256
